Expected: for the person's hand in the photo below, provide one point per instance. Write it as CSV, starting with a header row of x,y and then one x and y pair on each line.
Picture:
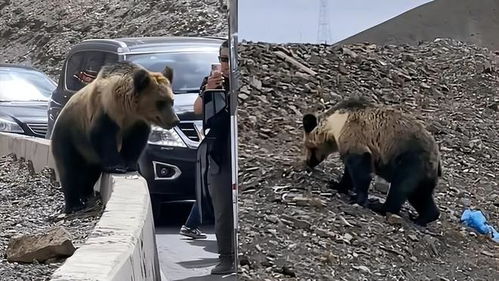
x,y
215,81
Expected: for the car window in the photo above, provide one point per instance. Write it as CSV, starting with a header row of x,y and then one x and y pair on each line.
x,y
17,84
82,67
189,68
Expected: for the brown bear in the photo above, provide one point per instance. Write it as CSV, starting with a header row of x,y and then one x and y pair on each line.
x,y
105,126
373,139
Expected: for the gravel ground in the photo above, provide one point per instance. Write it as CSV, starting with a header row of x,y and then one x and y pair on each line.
x,y
293,227
32,204
40,33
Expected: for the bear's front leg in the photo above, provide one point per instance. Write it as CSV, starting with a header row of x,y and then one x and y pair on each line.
x,y
344,185
360,170
134,142
103,136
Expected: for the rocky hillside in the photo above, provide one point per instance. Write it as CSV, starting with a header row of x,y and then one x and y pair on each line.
x,y
474,22
40,33
293,227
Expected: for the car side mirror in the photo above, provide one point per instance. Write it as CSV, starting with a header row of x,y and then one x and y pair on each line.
x,y
214,102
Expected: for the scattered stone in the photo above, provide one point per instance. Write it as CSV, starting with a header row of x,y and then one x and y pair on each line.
x,y
425,86
489,254
286,270
244,260
394,219
381,185
347,237
55,243
349,52
243,96
362,268
413,237
34,230
295,63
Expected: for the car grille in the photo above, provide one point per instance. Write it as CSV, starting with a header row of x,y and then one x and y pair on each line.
x,y
38,128
189,130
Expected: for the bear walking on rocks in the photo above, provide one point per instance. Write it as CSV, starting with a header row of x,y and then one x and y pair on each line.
x,y
379,140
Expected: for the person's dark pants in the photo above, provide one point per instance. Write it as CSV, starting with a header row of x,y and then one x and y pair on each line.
x,y
193,221
220,189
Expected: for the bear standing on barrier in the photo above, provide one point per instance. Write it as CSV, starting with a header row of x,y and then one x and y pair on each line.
x,y
105,126
378,140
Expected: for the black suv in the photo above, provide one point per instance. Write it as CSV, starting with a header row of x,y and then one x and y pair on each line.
x,y
168,162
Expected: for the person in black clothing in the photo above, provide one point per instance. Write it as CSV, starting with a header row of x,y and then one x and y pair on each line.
x,y
218,177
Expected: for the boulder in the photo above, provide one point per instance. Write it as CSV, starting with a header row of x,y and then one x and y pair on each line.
x,y
55,243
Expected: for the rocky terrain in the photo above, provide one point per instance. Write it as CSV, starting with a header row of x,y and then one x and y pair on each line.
x,y
40,33
32,204
293,227
473,22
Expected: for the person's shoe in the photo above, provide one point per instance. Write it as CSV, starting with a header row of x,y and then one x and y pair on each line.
x,y
225,266
193,233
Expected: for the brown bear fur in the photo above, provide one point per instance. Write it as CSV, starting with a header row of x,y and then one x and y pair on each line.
x,y
105,126
372,139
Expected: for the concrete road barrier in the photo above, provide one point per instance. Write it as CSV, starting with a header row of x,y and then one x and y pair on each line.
x,y
123,244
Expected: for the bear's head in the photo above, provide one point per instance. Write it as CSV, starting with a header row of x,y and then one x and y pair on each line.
x,y
318,140
154,98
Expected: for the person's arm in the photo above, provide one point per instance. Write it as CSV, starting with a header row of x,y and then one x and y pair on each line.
x,y
210,82
198,103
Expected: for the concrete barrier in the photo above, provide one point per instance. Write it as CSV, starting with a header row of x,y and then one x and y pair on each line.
x,y
123,244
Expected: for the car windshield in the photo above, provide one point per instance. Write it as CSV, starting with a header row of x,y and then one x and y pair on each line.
x,y
189,68
17,84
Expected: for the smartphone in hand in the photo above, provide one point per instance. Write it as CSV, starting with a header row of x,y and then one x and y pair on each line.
x,y
216,67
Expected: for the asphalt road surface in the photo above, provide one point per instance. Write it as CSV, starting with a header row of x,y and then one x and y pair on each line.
x,y
182,258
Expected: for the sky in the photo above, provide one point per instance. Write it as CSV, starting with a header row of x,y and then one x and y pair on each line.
x,y
297,21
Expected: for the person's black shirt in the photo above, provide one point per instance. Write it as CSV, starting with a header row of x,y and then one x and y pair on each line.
x,y
220,128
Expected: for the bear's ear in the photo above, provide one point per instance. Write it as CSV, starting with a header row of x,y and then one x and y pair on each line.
x,y
309,122
141,80
168,73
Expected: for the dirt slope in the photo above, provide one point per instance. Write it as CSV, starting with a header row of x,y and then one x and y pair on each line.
x,y
40,33
472,21
293,227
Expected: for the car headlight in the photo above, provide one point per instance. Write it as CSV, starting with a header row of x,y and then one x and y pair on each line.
x,y
160,136
9,126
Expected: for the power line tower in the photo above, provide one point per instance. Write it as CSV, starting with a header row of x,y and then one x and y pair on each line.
x,y
323,30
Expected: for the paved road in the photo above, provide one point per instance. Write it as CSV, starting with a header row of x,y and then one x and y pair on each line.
x,y
182,258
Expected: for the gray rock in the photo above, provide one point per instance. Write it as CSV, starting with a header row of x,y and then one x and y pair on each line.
x,y
55,243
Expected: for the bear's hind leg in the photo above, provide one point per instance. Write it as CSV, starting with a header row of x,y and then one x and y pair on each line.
x,y
67,161
405,180
134,142
422,200
70,189
360,170
89,177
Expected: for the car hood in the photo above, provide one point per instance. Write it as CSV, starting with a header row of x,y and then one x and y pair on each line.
x,y
184,106
36,112
25,112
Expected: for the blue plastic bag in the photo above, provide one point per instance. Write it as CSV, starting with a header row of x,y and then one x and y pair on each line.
x,y
477,221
